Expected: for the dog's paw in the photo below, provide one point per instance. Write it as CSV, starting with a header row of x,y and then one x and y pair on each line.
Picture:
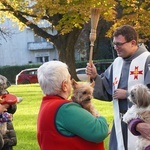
x,y
128,116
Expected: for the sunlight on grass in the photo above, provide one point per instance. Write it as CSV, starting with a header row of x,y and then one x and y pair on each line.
x,y
25,117
105,109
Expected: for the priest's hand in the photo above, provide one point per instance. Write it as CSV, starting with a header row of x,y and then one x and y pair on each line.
x,y
91,70
120,94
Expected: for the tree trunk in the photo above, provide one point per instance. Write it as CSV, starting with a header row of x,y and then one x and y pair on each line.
x,y
65,46
64,43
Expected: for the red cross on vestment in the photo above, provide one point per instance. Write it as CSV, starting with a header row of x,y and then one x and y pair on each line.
x,y
115,82
136,72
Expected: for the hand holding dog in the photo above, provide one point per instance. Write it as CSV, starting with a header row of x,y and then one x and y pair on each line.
x,y
144,129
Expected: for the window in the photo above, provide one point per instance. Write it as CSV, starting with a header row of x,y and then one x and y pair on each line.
x,y
39,39
81,72
42,59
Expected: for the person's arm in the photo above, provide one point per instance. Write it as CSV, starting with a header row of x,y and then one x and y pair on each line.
x,y
144,129
100,91
132,126
91,70
139,127
72,119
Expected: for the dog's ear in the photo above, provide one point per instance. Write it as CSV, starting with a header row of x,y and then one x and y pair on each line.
x,y
74,83
93,83
132,96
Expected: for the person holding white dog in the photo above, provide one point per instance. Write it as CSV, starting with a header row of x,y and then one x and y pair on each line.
x,y
63,124
138,113
132,66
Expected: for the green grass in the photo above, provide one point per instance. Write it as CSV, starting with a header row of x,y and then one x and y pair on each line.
x,y
25,118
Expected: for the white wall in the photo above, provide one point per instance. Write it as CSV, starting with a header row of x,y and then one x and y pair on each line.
x,y
15,51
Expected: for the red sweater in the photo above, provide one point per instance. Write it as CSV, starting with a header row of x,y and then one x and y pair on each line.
x,y
49,138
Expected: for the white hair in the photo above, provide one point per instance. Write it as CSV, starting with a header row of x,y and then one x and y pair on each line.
x,y
51,75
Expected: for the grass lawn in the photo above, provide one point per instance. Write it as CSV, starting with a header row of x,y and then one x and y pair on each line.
x,y
24,120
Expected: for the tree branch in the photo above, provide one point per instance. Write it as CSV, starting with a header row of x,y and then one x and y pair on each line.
x,y
39,31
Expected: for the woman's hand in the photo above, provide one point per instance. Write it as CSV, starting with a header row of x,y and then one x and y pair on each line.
x,y
144,129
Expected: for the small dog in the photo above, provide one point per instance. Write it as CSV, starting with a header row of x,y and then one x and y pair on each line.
x,y
4,84
83,94
140,97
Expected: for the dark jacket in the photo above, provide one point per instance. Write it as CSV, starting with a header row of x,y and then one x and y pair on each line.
x,y
10,138
1,141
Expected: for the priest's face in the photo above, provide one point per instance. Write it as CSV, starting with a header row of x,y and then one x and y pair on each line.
x,y
124,48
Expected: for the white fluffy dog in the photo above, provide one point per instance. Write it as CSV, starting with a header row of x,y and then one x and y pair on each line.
x,y
140,97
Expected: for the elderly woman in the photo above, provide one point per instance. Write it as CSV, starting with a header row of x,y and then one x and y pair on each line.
x,y
63,124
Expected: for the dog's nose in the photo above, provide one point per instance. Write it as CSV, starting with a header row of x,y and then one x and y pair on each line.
x,y
88,99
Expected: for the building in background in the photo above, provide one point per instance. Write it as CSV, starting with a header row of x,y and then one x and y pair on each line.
x,y
24,47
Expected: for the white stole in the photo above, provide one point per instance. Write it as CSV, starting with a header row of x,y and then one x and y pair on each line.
x,y
117,68
136,75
